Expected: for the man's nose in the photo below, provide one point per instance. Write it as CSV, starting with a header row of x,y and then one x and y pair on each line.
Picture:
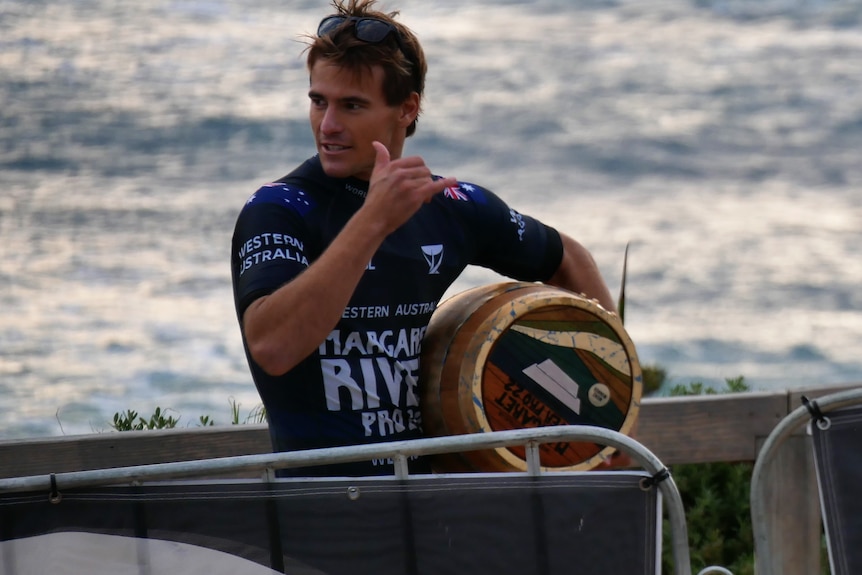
x,y
330,123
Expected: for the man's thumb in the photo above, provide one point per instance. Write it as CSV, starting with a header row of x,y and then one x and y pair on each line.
x,y
382,158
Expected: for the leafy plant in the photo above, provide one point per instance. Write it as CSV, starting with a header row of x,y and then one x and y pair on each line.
x,y
653,378
130,421
256,415
717,505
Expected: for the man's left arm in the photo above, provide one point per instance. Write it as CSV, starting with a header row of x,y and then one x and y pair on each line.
x,y
579,273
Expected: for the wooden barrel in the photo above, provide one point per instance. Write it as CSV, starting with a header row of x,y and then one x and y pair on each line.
x,y
516,355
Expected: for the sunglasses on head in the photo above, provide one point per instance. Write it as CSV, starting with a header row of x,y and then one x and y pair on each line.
x,y
369,30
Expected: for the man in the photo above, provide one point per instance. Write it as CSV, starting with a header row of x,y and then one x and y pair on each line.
x,y
338,266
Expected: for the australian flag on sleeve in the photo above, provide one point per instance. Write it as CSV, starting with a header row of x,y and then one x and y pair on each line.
x,y
282,194
464,192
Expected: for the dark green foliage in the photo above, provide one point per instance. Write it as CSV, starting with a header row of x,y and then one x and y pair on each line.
x,y
718,515
717,509
621,301
256,415
734,385
653,377
130,421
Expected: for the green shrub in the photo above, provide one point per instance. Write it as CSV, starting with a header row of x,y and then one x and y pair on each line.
x,y
653,378
717,507
131,421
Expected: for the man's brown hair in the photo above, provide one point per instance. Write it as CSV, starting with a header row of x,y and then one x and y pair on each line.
x,y
403,73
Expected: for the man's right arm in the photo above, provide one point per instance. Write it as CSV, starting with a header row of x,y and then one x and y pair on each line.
x,y
283,328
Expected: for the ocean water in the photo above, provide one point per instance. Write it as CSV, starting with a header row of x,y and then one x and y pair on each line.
x,y
720,139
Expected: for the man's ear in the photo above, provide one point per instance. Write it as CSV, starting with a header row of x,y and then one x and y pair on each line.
x,y
409,109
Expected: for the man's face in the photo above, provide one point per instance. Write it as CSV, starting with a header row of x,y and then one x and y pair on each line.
x,y
348,112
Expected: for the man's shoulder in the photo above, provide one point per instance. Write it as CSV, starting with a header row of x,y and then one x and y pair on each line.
x,y
282,194
300,190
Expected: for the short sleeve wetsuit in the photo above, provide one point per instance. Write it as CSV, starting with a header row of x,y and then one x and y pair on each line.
x,y
361,385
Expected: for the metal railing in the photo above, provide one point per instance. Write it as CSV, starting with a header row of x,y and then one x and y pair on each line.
x,y
399,451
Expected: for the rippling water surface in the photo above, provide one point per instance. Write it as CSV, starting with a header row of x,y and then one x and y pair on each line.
x,y
720,138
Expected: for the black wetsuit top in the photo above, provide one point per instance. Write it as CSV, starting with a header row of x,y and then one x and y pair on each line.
x,y
360,386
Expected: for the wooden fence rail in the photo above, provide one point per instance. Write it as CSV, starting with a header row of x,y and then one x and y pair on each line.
x,y
692,429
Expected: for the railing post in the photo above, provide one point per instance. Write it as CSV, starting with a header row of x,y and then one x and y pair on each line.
x,y
794,501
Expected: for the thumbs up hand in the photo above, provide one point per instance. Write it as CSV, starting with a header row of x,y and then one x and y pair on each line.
x,y
399,187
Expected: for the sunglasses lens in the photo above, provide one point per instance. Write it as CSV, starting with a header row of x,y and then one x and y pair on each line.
x,y
328,24
373,31
366,29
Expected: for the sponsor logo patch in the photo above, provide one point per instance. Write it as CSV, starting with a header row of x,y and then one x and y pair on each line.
x,y
434,256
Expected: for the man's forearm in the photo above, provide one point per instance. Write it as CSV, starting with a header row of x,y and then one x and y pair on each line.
x,y
283,328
